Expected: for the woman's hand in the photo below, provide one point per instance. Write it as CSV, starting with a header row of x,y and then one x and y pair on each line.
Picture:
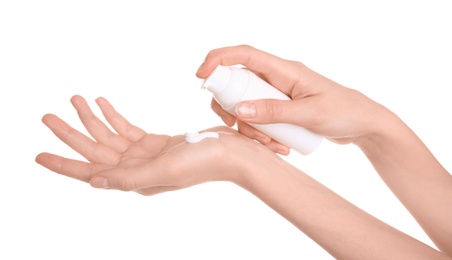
x,y
340,114
344,115
132,160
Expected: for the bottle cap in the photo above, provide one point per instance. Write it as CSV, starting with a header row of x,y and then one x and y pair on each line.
x,y
228,85
218,80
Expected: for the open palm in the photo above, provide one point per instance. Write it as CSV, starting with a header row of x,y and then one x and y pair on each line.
x,y
130,159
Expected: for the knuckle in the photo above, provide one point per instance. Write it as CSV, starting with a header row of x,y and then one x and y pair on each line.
x,y
245,47
127,184
298,64
273,109
214,54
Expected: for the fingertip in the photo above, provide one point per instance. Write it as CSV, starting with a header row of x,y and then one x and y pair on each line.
x,y
101,100
205,70
209,64
229,120
39,157
49,161
199,72
75,98
44,117
47,117
42,158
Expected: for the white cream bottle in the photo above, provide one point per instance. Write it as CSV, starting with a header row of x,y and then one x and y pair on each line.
x,y
231,85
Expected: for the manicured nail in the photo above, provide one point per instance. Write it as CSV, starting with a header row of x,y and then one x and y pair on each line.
x,y
99,182
246,110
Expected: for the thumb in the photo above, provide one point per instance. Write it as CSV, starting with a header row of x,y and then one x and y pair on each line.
x,y
266,111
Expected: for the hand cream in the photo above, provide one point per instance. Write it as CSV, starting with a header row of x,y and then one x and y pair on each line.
x,y
195,137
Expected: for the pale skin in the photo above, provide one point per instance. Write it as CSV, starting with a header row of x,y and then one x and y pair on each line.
x,y
130,159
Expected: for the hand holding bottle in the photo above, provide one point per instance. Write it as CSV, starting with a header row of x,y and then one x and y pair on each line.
x,y
318,104
231,85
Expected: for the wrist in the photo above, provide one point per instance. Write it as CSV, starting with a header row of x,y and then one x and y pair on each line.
x,y
245,158
257,164
388,130
232,155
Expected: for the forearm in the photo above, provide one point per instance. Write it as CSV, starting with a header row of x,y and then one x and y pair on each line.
x,y
341,228
415,177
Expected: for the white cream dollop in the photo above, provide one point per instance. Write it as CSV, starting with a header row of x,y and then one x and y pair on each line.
x,y
195,137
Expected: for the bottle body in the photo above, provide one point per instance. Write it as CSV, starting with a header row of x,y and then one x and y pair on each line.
x,y
231,86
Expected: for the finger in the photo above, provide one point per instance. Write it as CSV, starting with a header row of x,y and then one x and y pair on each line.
x,y
280,73
253,133
98,130
92,151
227,118
131,178
248,56
262,138
71,168
277,147
303,112
119,123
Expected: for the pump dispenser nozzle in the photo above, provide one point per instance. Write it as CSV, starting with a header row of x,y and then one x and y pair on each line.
x,y
218,80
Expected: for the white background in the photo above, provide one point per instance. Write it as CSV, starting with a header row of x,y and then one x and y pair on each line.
x,y
142,56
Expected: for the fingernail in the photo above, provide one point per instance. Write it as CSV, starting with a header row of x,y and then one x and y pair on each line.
x,y
246,110
99,182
